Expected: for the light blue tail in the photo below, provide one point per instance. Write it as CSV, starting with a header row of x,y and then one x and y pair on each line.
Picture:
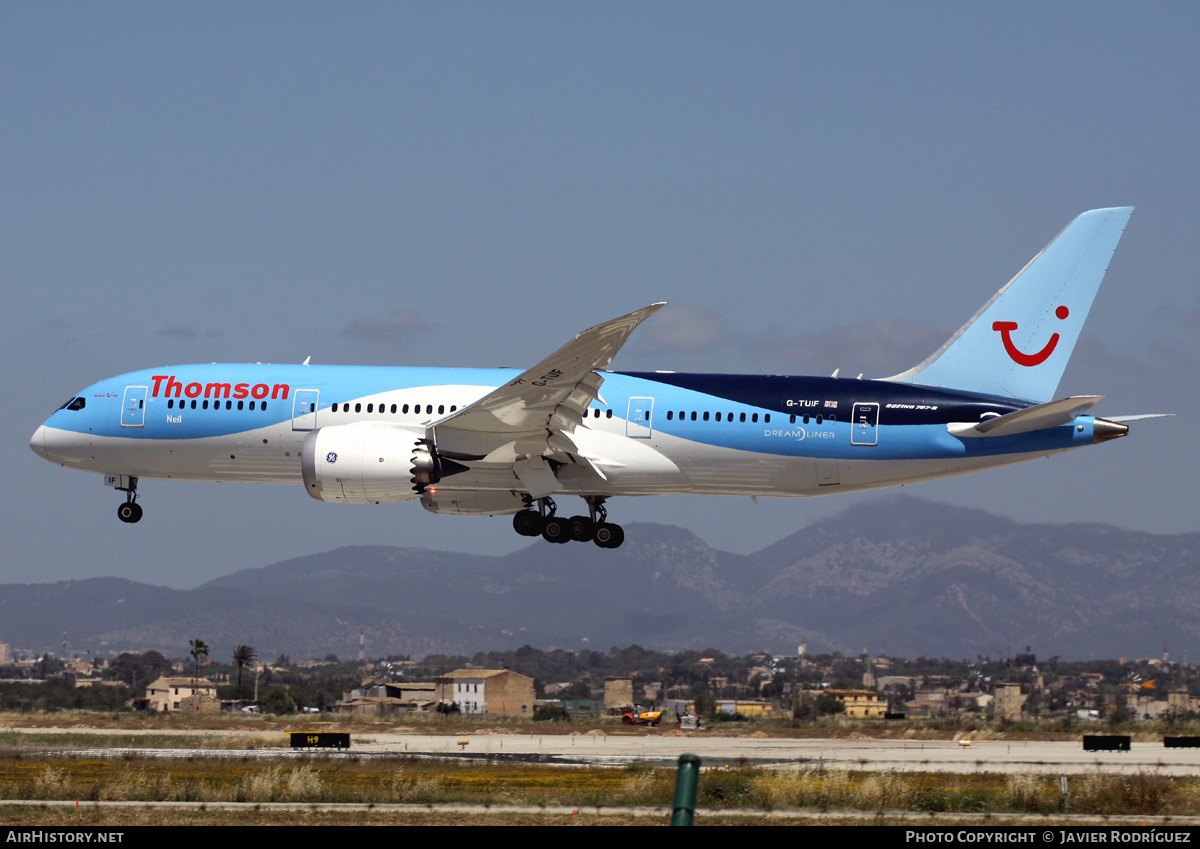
x,y
1018,344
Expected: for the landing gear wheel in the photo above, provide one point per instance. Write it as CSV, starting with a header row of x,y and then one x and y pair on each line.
x,y
556,529
609,536
582,528
129,512
528,523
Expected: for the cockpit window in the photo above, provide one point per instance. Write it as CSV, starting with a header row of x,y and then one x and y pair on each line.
x,y
73,404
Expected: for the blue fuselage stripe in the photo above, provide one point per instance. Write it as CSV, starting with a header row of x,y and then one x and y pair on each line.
x,y
761,414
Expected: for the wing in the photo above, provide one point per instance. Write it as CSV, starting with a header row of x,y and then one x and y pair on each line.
x,y
532,416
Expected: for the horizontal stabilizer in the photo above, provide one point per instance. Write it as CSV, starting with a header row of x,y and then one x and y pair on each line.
x,y
1039,417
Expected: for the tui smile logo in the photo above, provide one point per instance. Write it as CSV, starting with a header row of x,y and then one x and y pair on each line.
x,y
1022,359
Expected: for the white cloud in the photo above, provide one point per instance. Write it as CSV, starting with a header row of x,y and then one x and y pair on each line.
x,y
876,348
401,325
686,328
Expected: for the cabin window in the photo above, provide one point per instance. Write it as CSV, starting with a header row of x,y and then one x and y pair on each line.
x,y
170,403
393,409
357,408
742,418
669,415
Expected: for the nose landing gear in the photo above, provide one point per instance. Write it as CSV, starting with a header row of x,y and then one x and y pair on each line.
x,y
130,511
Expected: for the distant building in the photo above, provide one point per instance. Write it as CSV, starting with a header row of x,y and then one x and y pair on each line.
x,y
1148,706
186,694
375,698
1009,702
932,701
742,707
495,692
618,692
860,704
1180,702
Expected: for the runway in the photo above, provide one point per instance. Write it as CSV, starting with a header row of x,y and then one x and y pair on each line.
x,y
1067,757
624,747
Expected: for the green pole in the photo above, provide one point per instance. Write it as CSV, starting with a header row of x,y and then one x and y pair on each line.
x,y
685,789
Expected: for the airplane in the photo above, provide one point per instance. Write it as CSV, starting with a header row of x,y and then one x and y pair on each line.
x,y
475,442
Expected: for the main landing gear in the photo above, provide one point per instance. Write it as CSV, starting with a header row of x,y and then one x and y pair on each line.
x,y
540,519
130,511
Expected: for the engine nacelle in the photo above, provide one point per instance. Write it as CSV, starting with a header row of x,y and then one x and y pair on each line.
x,y
368,463
472,502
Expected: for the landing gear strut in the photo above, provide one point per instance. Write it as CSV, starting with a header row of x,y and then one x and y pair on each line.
x,y
604,533
540,519
530,522
130,511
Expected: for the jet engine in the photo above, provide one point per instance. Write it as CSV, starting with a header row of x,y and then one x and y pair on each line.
x,y
370,463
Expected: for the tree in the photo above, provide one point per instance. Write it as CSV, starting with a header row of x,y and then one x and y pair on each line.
x,y
828,704
243,655
278,701
199,650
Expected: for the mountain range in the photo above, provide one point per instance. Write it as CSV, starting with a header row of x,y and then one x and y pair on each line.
x,y
897,574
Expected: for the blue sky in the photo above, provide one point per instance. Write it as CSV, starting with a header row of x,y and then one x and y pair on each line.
x,y
810,185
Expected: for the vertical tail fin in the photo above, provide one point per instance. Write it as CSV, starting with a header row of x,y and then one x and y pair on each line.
x,y
1018,344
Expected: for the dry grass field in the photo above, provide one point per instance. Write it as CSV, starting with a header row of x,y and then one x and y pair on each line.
x,y
48,760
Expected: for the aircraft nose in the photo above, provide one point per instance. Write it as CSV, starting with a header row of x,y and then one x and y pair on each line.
x,y
38,442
